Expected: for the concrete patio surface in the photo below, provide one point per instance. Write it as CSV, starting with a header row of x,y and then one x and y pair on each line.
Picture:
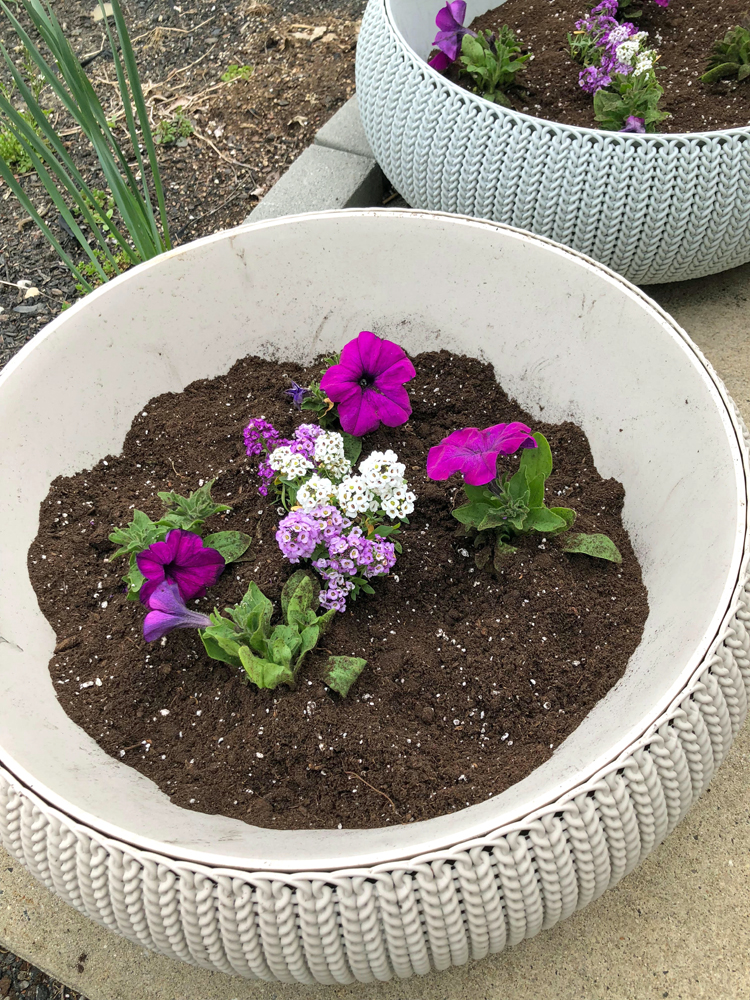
x,y
677,927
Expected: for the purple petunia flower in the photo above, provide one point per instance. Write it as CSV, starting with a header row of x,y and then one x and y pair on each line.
x,y
183,559
474,453
297,392
368,384
450,21
167,611
633,124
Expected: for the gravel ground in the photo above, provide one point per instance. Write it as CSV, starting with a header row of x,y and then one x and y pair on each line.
x,y
21,979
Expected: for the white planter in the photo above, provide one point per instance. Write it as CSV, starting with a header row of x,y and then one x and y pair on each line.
x,y
654,208
564,334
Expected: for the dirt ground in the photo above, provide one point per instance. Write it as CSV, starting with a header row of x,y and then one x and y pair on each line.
x,y
246,133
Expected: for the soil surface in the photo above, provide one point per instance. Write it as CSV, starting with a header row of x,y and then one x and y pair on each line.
x,y
682,34
472,680
246,133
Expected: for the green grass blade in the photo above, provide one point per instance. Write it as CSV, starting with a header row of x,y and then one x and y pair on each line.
x,y
130,120
142,111
84,106
66,172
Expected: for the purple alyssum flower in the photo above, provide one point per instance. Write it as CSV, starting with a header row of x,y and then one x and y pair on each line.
x,y
368,384
183,559
297,535
297,392
167,611
592,79
450,20
634,124
474,453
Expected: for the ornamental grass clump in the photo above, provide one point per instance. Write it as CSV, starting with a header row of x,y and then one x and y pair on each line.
x,y
501,507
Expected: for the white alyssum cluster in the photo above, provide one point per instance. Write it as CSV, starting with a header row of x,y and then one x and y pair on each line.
x,y
633,53
329,452
399,502
382,471
288,464
355,497
315,492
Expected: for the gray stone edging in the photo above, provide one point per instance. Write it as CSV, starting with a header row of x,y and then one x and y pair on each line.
x,y
337,171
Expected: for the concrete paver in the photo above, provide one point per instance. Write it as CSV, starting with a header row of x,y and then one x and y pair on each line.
x,y
677,927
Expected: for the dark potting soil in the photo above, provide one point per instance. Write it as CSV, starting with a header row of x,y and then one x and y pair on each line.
x,y
472,680
682,34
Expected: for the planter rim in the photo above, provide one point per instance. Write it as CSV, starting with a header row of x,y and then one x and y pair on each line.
x,y
629,137
473,833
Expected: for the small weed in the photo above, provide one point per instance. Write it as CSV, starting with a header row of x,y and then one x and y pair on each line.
x,y
12,150
101,206
171,129
89,271
235,72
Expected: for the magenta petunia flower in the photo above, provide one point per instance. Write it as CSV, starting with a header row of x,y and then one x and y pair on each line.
x,y
474,453
368,384
181,558
167,611
450,21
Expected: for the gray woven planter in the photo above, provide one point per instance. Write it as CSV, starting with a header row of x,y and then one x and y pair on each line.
x,y
653,208
345,905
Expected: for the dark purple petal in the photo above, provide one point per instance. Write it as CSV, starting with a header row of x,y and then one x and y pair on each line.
x,y
440,62
167,611
634,124
450,43
451,16
183,559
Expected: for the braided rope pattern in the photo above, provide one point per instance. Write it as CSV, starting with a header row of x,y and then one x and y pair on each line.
x,y
653,208
401,919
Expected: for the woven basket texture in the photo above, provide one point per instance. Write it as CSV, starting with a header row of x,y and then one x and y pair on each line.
x,y
653,208
402,918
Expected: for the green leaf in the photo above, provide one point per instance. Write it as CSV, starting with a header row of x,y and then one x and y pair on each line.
x,y
599,546
134,580
220,643
477,494
309,640
543,520
297,596
472,513
567,515
499,518
342,672
352,447
324,621
537,461
230,544
264,673
253,613
136,536
190,512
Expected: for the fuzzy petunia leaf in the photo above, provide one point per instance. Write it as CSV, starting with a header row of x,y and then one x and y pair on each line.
x,y
352,447
229,544
221,641
253,613
342,672
537,461
190,512
133,579
297,597
544,521
136,536
597,545
567,515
